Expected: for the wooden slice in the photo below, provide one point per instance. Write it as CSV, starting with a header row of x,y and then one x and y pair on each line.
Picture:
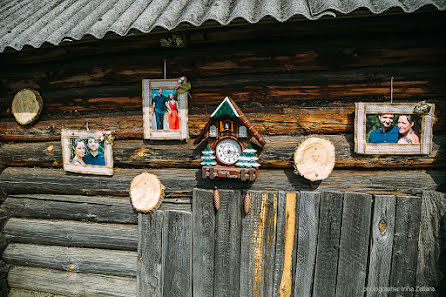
x,y
26,106
314,158
146,192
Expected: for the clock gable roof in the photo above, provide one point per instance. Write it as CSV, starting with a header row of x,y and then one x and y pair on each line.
x,y
229,107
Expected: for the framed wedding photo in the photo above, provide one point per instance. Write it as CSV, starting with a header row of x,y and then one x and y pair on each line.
x,y
87,152
394,128
165,110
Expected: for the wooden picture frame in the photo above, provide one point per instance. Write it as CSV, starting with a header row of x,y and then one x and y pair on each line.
x,y
76,140
152,119
369,115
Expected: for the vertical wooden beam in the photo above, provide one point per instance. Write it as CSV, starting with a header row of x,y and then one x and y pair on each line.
x,y
307,243
354,243
177,253
381,244
227,244
405,246
286,243
150,272
330,216
203,243
433,209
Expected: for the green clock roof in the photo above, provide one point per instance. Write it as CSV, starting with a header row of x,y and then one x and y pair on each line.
x,y
225,108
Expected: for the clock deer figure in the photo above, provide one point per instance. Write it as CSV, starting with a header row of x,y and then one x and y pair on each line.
x,y
229,153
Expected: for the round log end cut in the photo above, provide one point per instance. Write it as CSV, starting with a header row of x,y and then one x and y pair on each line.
x,y
27,106
146,192
314,158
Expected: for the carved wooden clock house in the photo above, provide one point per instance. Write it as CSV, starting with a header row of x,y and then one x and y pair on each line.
x,y
229,153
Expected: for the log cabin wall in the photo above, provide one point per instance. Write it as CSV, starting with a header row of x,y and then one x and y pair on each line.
x,y
291,80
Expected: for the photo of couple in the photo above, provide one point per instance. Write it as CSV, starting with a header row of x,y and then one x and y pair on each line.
x,y
87,152
392,128
164,103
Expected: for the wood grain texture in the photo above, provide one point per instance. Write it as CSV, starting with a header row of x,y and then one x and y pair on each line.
x,y
84,260
227,244
429,274
329,233
258,241
381,244
307,243
72,234
71,283
405,245
203,243
13,292
182,181
177,254
278,153
150,269
354,243
286,243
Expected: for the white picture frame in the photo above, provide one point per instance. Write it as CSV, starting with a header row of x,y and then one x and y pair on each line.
x,y
69,137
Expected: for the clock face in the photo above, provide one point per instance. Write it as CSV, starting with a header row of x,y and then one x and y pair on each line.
x,y
227,151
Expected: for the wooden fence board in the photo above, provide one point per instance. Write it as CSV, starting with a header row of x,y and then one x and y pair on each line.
x,y
150,254
258,246
330,215
85,260
306,243
286,243
71,233
177,253
405,249
203,243
433,209
354,243
227,244
71,284
381,244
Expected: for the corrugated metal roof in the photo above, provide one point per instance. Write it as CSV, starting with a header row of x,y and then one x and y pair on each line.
x,y
33,22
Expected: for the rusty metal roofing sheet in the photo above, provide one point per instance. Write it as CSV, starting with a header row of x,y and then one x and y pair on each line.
x,y
33,22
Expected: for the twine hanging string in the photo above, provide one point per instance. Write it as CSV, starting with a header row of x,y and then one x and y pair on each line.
x,y
391,90
86,122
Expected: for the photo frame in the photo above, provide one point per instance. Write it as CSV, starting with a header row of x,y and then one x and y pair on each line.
x,y
393,128
87,152
161,120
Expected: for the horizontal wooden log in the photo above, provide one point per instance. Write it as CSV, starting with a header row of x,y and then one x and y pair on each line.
x,y
84,260
278,153
15,180
72,234
14,292
106,209
71,284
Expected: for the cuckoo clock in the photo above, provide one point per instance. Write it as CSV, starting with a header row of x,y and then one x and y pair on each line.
x,y
229,153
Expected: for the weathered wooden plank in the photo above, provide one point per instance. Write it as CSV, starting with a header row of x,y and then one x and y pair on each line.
x,y
28,293
433,209
180,181
405,245
277,154
227,244
150,271
354,243
286,243
84,260
71,233
325,271
258,246
110,209
381,244
177,254
71,284
306,242
203,243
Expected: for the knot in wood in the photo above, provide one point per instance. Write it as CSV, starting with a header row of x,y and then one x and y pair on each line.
x,y
382,226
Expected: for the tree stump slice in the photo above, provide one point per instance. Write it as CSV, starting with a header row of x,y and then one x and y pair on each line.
x,y
146,192
26,106
314,158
